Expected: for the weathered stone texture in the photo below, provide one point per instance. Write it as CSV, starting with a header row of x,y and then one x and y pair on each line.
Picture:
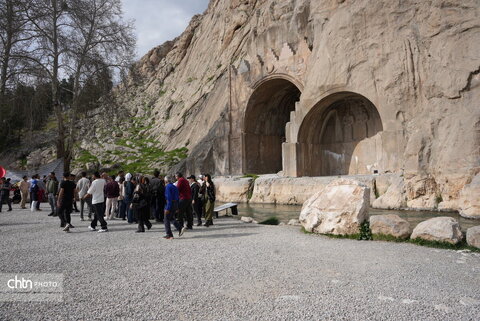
x,y
441,229
339,208
390,225
473,236
470,199
295,191
234,189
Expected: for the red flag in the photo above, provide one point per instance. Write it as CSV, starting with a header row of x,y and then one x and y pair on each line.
x,y
2,172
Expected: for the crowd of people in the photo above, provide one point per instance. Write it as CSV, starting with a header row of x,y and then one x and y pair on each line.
x,y
137,199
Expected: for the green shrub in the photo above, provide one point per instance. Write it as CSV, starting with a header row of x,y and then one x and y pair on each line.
x,y
365,232
271,221
444,245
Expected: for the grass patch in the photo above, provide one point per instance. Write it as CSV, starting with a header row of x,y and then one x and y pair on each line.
x,y
305,231
420,242
387,238
349,237
444,245
86,157
254,176
271,221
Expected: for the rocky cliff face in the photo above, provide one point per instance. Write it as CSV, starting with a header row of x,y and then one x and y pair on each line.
x,y
309,88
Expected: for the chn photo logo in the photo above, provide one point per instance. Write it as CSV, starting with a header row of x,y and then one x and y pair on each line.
x,y
20,283
31,287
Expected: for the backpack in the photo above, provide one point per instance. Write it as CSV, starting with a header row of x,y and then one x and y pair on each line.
x,y
139,200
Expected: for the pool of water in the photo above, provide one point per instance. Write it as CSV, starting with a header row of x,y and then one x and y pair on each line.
x,y
285,213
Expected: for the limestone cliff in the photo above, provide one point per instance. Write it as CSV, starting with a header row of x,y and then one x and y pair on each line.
x,y
310,88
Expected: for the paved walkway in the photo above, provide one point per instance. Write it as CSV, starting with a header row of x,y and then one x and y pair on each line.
x,y
233,271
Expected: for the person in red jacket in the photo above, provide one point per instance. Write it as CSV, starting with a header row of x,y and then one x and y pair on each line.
x,y
185,203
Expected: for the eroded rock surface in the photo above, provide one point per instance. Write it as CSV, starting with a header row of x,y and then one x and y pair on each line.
x,y
441,229
390,225
473,236
339,208
469,201
232,189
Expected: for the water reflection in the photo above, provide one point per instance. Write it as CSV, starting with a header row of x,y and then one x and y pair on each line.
x,y
285,213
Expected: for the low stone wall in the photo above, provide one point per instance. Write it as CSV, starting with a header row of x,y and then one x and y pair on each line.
x,y
232,189
387,191
275,189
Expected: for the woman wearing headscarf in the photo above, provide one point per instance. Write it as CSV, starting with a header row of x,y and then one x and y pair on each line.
x,y
208,193
130,184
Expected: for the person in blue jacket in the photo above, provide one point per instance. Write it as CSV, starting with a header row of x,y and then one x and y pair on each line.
x,y
171,208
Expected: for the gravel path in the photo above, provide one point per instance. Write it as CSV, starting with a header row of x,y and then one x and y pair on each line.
x,y
233,271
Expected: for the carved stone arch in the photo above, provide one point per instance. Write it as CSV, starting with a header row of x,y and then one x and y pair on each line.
x,y
337,136
266,114
283,76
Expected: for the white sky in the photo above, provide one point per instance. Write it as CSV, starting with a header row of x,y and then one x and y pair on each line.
x,y
157,21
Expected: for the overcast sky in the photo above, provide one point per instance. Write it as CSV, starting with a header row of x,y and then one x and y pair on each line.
x,y
157,21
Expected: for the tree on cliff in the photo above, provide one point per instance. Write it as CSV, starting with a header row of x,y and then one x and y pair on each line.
x,y
99,41
80,39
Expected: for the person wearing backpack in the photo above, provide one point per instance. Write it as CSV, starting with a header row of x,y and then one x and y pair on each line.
x,y
141,205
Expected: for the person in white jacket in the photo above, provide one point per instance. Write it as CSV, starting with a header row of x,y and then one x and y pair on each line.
x,y
96,191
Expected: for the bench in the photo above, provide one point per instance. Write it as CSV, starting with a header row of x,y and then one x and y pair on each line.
x,y
231,206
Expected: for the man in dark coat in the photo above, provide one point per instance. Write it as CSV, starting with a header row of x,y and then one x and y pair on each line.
x,y
197,204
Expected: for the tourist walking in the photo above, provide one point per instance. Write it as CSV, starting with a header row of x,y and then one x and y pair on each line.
x,y
171,208
52,192
157,189
82,187
121,196
34,194
42,188
129,189
5,186
185,204
197,203
141,205
112,191
96,191
24,188
208,193
66,197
